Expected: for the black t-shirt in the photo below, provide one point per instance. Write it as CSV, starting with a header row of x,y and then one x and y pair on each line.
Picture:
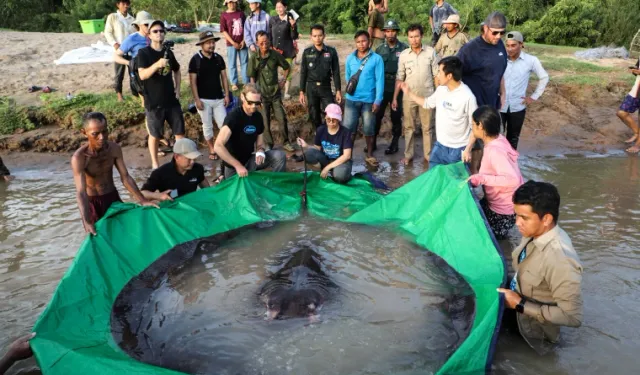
x,y
483,66
159,91
244,133
333,145
208,71
167,178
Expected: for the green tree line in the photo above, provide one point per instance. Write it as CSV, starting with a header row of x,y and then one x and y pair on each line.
x,y
563,22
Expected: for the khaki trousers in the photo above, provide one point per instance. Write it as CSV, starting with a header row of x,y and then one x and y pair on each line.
x,y
410,111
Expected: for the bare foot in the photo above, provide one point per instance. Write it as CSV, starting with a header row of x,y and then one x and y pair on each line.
x,y
632,139
120,98
633,149
405,161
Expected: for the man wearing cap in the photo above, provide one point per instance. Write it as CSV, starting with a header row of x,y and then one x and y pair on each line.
x,y
232,27
375,25
117,27
263,69
128,49
440,11
209,86
332,147
516,80
450,43
240,143
390,53
257,21
161,89
320,63
182,175
484,60
418,67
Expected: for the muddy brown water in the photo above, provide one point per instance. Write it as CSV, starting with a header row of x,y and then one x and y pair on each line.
x,y
40,232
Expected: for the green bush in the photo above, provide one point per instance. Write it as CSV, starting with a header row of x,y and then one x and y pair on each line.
x,y
568,22
13,117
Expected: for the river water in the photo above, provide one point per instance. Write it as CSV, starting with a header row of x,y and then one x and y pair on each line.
x,y
40,233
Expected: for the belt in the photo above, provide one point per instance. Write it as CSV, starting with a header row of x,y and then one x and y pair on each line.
x,y
316,83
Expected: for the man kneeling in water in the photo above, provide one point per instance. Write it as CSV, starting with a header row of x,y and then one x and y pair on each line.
x,y
92,166
546,289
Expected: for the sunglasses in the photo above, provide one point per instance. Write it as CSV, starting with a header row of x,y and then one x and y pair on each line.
x,y
494,33
156,31
331,120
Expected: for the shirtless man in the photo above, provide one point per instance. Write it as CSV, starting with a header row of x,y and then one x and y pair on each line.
x,y
92,166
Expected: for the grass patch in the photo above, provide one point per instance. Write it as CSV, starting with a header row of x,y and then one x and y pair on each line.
x,y
566,64
548,49
13,117
68,113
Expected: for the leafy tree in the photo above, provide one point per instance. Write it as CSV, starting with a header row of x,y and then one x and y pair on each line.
x,y
568,22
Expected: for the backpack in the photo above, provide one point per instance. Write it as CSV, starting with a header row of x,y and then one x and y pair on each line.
x,y
136,82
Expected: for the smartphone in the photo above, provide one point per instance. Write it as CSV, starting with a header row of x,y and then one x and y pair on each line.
x,y
174,193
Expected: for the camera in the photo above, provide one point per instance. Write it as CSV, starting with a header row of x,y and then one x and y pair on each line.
x,y
168,44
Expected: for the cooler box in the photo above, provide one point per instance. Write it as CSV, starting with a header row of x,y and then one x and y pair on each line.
x,y
92,26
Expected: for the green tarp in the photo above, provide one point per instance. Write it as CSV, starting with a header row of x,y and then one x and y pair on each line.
x,y
437,209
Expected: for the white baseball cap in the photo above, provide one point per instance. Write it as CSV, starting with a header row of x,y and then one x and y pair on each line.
x,y
186,148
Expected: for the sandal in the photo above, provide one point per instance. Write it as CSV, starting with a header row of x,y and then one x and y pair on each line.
x,y
372,161
288,147
218,180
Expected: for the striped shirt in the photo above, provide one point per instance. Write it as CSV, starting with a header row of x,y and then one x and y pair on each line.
x,y
516,81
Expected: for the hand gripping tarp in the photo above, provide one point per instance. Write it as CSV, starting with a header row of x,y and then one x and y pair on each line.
x,y
437,210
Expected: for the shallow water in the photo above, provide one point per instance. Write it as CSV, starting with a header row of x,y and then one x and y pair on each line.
x,y
394,306
40,233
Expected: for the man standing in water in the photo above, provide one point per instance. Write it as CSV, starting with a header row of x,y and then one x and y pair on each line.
x,y
546,289
5,175
92,166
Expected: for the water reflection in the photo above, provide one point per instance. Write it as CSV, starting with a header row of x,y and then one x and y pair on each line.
x,y
40,232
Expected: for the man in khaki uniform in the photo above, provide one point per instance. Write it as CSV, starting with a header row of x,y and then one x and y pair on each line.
x,y
546,289
418,67
450,43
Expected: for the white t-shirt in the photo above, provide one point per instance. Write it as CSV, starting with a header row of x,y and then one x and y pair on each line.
x,y
453,114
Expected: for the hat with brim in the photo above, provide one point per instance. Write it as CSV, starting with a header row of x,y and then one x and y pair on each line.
x,y
143,18
230,1
515,35
454,18
186,148
333,111
206,36
254,1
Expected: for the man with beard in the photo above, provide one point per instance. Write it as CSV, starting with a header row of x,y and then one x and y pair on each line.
x,y
484,60
390,53
209,86
92,166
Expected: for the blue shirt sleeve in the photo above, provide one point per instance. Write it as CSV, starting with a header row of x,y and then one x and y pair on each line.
x,y
347,67
126,45
379,80
248,40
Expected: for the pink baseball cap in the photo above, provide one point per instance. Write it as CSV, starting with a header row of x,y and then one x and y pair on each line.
x,y
334,111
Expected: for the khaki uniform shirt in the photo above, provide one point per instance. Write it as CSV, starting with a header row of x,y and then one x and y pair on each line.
x,y
418,70
550,278
447,46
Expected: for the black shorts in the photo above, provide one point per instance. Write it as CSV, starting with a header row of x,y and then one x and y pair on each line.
x,y
156,118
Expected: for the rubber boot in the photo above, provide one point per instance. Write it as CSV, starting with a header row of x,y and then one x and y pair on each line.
x,y
285,94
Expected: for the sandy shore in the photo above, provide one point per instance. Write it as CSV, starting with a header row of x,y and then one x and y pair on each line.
x,y
567,118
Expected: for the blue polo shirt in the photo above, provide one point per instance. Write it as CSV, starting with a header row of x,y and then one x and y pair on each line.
x,y
483,65
133,43
370,87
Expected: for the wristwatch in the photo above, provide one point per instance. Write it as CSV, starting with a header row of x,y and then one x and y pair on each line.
x,y
520,306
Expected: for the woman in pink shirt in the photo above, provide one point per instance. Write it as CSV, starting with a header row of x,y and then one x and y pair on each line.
x,y
499,172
